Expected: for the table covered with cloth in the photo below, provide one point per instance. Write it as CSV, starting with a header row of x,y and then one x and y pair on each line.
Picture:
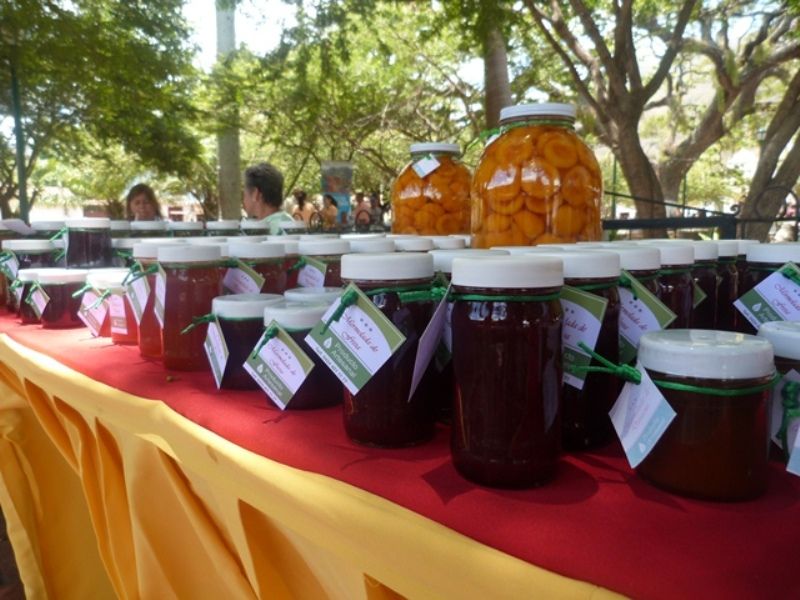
x,y
118,478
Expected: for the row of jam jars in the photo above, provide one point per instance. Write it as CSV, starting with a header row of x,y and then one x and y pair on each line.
x,y
184,229
222,228
328,251
241,320
507,359
268,259
193,279
88,242
120,323
381,413
762,261
719,385
29,254
321,388
6,234
61,285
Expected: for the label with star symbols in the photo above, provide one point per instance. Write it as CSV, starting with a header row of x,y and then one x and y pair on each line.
x,y
583,317
777,298
640,312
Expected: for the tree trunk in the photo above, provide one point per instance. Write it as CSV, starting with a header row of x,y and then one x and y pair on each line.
x,y
495,75
228,153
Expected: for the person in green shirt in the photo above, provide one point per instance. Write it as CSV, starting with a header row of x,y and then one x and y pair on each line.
x,y
263,197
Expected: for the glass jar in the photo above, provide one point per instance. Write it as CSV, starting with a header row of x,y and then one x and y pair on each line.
x,y
149,329
122,252
380,414
436,202
413,244
149,229
705,275
184,229
193,280
507,322
222,228
292,256
88,243
26,278
253,227
717,446
371,246
537,182
675,283
28,254
323,295
643,263
120,228
268,259
741,258
762,261
44,230
122,328
241,320
330,252
321,388
728,285
61,311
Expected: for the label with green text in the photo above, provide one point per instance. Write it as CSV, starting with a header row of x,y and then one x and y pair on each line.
x,y
777,298
640,311
583,317
312,273
242,279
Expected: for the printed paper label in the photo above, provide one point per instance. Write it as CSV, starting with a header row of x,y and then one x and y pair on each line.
x,y
312,274
92,316
777,409
18,294
699,295
583,317
428,343
161,295
116,311
777,298
640,311
640,417
425,166
38,300
9,265
242,279
358,344
280,367
216,351
138,291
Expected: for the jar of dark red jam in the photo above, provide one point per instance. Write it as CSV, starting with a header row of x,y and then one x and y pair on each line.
x,y
785,339
728,285
584,412
323,295
717,446
380,414
193,279
291,247
88,243
706,277
241,319
122,327
321,388
268,259
741,258
27,254
222,228
184,229
762,261
507,322
675,283
61,311
27,277
328,251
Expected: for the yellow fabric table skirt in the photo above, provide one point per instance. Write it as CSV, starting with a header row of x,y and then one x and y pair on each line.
x,y
106,494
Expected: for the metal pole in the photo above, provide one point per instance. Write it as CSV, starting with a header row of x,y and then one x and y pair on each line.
x,y
20,140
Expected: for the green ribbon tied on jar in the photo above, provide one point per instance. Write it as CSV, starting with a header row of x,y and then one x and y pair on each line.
x,y
790,401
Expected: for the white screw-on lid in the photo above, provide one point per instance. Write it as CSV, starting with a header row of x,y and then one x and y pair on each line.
x,y
119,225
59,276
256,250
727,248
521,250
124,243
253,224
28,275
88,223
47,225
443,259
774,253
371,246
243,306
413,244
633,259
186,226
706,354
283,238
560,247
323,295
445,242
509,272
361,236
224,224
543,109
180,253
317,236
745,244
147,249
32,246
324,247
784,337
294,315
587,264
106,279
205,241
594,245
673,254
441,147
149,226
464,236
400,236
387,267
292,247
706,250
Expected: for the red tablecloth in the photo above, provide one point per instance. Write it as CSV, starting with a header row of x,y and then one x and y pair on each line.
x,y
596,522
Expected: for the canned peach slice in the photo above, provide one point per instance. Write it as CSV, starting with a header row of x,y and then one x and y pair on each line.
x,y
531,224
560,151
577,186
539,178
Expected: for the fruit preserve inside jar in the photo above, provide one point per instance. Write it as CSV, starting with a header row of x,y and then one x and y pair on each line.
x,y
676,291
88,247
61,311
705,275
273,270
241,336
728,293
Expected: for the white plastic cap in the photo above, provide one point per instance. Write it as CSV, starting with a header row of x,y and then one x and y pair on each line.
x,y
149,226
441,147
521,250
774,253
417,244
243,306
323,295
224,224
205,241
445,242
323,247
387,267
119,225
106,279
361,236
292,247
784,337
253,224
27,275
706,354
745,244
146,249
186,226
47,225
587,264
88,223
58,276
294,315
443,259
180,253
706,250
371,246
28,245
674,254
728,248
510,272
256,250
124,243
303,237
633,259
400,236
283,238
542,109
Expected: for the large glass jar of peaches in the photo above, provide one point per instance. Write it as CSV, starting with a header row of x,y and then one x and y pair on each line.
x,y
431,194
537,182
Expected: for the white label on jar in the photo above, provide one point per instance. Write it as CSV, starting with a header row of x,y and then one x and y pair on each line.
x,y
9,265
312,274
640,417
161,296
777,298
116,309
428,342
216,351
242,279
425,166
583,318
138,291
39,301
91,315
639,312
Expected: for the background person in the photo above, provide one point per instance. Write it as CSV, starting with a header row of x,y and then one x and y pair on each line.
x,y
263,197
141,204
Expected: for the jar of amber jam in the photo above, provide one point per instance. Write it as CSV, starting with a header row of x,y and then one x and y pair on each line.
x,y
26,278
675,283
371,246
268,259
254,227
380,414
120,228
706,276
321,388
121,320
328,251
222,228
88,243
537,182
785,339
717,446
431,194
728,284
61,311
584,412
241,318
44,230
323,295
193,279
419,244
184,229
507,326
